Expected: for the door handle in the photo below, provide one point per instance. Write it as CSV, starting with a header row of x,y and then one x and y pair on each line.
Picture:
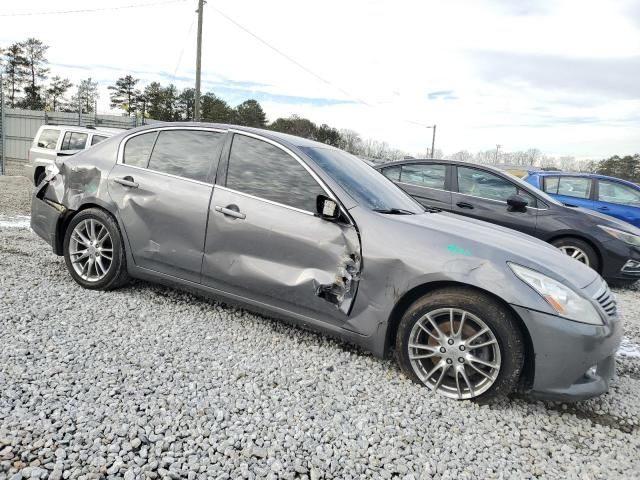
x,y
126,181
230,212
465,205
604,209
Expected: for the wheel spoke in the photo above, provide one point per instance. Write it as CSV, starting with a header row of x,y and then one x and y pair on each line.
x,y
100,266
102,238
92,233
463,374
458,383
428,332
451,330
435,326
462,319
421,356
480,345
82,257
80,238
469,341
438,366
422,346
445,368
484,374
79,252
475,359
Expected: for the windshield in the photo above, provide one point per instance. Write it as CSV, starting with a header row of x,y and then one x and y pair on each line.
x,y
541,193
365,185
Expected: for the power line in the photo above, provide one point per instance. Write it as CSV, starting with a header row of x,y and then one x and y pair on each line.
x,y
90,10
287,57
303,67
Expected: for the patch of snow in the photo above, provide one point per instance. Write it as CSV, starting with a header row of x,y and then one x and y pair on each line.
x,y
18,221
629,349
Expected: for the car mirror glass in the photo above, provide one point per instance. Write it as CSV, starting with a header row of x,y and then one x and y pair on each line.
x,y
327,208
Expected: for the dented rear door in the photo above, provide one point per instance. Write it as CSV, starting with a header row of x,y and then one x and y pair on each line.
x,y
162,186
264,241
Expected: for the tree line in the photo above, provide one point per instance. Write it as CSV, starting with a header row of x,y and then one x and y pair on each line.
x,y
27,85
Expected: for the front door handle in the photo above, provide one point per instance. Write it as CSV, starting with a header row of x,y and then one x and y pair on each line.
x,y
604,209
231,211
465,205
126,181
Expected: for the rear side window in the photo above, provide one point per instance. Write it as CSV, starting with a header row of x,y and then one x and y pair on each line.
x,y
550,184
74,141
484,184
266,171
614,192
185,153
138,149
432,176
48,139
392,173
97,139
579,187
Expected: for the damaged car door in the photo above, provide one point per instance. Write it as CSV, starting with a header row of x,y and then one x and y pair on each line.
x,y
162,184
265,240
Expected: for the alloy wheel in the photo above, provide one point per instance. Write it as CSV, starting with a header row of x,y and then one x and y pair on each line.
x,y
454,353
91,250
575,252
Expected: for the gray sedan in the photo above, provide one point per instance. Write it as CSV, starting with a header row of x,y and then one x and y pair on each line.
x,y
310,234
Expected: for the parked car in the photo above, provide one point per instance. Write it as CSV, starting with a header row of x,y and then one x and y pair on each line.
x,y
53,142
609,195
306,232
607,245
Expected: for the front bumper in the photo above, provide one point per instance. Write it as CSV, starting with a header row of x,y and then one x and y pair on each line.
x,y
617,259
45,219
565,352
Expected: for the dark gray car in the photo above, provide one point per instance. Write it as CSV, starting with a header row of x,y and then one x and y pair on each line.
x,y
606,244
308,233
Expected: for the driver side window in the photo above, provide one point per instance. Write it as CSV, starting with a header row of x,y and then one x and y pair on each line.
x,y
265,171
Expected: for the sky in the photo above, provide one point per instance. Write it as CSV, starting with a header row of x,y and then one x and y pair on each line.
x,y
557,75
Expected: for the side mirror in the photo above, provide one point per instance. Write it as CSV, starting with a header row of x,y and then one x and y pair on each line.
x,y
517,203
327,208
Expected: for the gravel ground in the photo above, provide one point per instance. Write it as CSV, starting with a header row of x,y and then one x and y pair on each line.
x,y
150,382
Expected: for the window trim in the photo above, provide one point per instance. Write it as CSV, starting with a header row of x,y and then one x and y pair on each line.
x,y
123,144
291,153
104,137
518,187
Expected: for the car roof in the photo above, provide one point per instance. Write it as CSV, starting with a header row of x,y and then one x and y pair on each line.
x,y
109,131
270,134
439,160
547,173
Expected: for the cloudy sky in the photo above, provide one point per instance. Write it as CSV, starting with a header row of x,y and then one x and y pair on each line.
x,y
558,75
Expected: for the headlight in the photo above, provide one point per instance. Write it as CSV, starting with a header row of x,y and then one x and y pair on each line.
x,y
626,237
564,301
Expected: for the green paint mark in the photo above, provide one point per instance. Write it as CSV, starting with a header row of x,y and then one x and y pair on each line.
x,y
455,249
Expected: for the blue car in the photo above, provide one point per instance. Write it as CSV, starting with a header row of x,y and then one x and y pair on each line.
x,y
609,195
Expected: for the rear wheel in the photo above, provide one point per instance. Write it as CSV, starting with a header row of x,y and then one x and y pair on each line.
x,y
462,344
579,250
94,252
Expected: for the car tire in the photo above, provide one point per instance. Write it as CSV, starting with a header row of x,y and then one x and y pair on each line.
x,y
40,176
578,249
94,251
467,374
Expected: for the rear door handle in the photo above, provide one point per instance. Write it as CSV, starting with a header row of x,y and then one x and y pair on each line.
x,y
230,212
126,181
604,209
465,205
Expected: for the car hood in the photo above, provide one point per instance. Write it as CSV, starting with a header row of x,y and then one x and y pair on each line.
x,y
476,238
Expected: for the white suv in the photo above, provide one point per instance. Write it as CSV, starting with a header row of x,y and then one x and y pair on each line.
x,y
55,141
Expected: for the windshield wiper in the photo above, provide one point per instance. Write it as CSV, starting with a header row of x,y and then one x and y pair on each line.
x,y
393,211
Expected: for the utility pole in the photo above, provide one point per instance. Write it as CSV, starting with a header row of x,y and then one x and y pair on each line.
x,y
497,148
196,108
433,141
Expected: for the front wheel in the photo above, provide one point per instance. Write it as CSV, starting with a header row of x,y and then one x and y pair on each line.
x,y
462,344
94,252
579,250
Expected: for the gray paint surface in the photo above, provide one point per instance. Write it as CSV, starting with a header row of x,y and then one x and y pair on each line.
x,y
277,260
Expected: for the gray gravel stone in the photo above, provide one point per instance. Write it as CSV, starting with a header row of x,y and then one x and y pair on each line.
x,y
150,382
